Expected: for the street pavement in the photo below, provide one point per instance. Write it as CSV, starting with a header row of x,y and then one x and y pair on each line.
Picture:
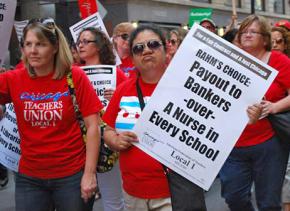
x,y
214,201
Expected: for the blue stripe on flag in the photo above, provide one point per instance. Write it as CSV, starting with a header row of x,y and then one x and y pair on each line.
x,y
130,104
124,126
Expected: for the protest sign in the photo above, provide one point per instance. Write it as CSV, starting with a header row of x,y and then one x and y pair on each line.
x,y
94,20
9,140
19,26
102,77
198,110
7,12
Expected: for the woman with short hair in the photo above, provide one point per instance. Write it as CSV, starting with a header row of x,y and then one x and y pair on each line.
x,y
259,157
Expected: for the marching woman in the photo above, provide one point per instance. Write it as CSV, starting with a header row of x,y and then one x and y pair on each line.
x,y
56,166
95,49
259,157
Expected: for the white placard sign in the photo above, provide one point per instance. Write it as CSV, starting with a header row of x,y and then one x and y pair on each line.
x,y
9,140
19,26
102,77
95,21
7,12
198,110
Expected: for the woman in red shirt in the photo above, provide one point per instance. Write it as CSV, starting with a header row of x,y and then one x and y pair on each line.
x,y
259,157
95,48
55,167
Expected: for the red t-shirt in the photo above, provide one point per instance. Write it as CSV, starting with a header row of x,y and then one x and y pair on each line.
x,y
121,77
128,67
51,140
142,175
262,130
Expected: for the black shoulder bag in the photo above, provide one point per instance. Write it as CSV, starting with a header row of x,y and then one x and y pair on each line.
x,y
281,125
107,158
185,195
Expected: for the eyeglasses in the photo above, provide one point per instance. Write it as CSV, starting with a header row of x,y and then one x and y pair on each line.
x,y
251,33
277,41
84,42
124,37
138,48
173,42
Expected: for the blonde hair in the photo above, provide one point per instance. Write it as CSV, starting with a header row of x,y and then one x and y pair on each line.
x,y
180,34
125,27
63,58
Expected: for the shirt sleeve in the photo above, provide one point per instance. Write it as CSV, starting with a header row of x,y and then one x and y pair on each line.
x,y
87,98
282,63
4,88
120,76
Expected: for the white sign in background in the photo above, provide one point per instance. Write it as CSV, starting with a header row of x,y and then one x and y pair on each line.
x,y
9,140
7,13
102,77
198,110
95,21
19,26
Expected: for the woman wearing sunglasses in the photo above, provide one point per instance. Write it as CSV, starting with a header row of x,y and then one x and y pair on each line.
x,y
259,157
280,40
55,167
95,48
144,183
176,36
121,34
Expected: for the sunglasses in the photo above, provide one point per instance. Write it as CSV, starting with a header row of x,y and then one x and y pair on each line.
x,y
124,37
173,42
277,41
138,48
47,22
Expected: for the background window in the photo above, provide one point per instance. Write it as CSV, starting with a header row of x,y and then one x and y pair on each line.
x,y
259,5
279,6
229,3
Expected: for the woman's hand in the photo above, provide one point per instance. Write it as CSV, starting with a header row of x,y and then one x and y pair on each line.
x,y
254,112
268,108
108,94
2,70
124,140
88,186
89,181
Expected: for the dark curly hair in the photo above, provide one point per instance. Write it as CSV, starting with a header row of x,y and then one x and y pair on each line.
x,y
105,46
